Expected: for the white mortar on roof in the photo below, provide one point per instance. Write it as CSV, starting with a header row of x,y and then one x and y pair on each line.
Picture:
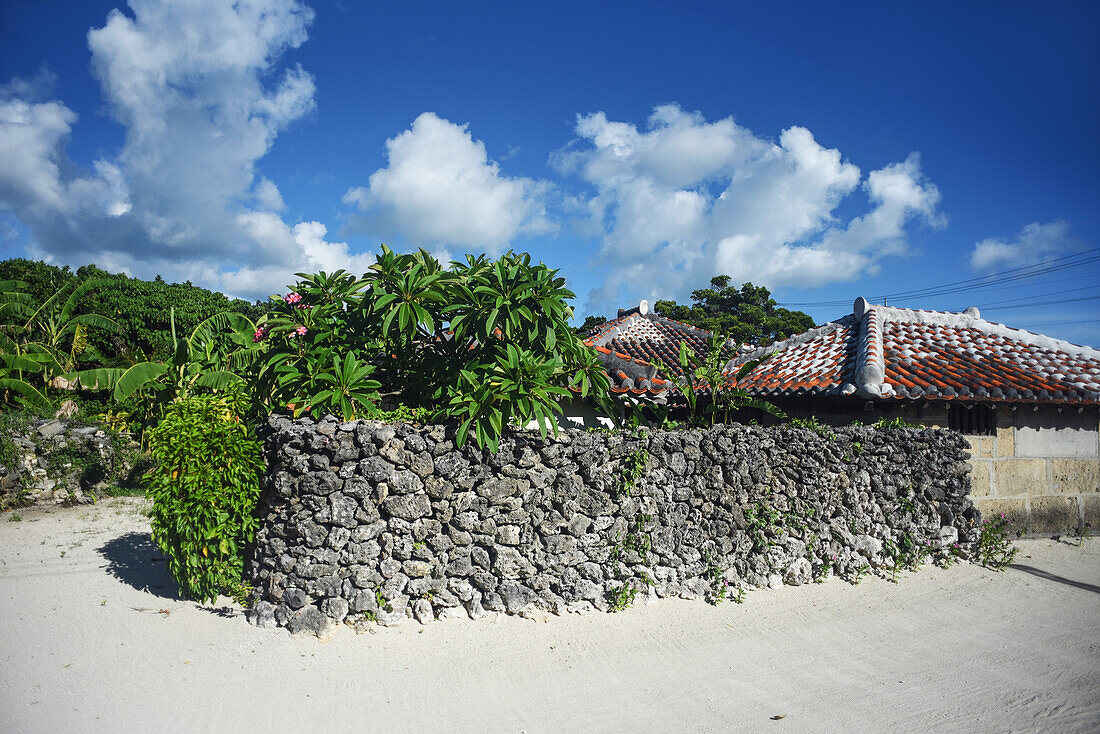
x,y
794,341
870,364
970,319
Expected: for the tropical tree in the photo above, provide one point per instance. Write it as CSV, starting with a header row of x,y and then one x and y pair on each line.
x,y
511,320
711,379
139,307
485,343
45,345
317,344
213,358
746,314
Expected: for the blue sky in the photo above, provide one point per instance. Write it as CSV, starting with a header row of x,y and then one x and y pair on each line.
x,y
826,152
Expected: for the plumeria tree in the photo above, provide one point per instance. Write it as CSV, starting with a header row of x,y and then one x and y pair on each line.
x,y
484,342
318,349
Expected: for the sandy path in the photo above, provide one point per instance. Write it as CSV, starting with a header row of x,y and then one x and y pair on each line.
x,y
84,647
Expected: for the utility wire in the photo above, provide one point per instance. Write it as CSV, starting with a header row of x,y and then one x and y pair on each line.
x,y
1071,322
1033,296
1049,303
948,289
1057,264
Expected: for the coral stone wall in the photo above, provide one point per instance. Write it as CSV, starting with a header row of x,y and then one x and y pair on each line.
x,y
1040,467
365,520
60,462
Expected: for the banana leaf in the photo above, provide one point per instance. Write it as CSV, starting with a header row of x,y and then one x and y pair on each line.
x,y
219,379
27,393
137,377
104,378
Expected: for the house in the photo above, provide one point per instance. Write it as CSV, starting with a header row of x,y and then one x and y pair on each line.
x,y
1029,404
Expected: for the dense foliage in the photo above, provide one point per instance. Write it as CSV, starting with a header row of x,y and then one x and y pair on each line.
x,y
45,343
748,314
140,308
484,343
590,323
204,490
317,341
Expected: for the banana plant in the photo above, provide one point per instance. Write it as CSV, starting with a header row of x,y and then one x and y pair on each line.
x,y
42,347
201,361
708,373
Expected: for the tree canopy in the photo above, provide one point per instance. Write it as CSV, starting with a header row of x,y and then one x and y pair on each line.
x,y
747,314
590,323
141,308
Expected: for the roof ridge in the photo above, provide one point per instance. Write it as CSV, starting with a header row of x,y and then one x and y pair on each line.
x,y
870,362
971,319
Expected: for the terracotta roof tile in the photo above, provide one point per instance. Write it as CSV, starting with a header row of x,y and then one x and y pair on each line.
x,y
875,352
910,354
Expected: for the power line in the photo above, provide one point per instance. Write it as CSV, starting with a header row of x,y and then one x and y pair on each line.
x,y
1045,267
952,288
1033,296
1071,322
1049,303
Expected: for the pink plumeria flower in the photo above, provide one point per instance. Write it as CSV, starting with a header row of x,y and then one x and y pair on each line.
x,y
259,334
300,331
292,298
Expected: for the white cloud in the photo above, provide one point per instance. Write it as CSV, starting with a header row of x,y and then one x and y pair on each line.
x,y
30,136
1035,243
305,240
687,199
440,188
268,196
202,95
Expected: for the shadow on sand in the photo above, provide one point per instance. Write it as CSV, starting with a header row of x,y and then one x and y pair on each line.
x,y
1054,577
134,559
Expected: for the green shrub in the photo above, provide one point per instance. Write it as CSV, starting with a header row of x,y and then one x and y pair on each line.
x,y
318,349
994,549
898,422
204,490
404,414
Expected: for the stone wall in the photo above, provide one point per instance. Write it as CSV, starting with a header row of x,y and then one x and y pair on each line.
x,y
369,521
1041,467
61,462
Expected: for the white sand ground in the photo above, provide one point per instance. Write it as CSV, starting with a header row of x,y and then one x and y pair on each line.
x,y
84,646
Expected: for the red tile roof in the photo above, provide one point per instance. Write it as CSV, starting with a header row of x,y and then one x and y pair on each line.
x,y
642,352
895,353
876,352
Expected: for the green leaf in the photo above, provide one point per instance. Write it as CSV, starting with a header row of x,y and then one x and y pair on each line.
x,y
97,379
137,377
95,321
28,394
219,379
460,434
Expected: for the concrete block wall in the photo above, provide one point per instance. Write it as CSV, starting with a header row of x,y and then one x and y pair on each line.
x,y
1041,468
